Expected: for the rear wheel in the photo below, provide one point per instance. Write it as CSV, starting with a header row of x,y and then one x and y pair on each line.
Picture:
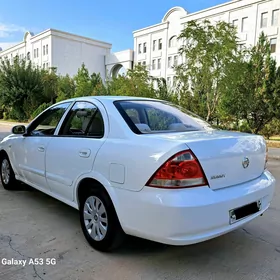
x,y
99,221
7,174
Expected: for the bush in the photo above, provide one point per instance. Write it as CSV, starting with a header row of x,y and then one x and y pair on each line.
x,y
244,127
40,109
16,115
271,129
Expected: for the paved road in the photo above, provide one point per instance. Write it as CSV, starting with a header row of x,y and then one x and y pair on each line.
x,y
275,153
33,225
4,131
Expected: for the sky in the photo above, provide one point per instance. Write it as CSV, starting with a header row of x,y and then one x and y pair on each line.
x,y
110,21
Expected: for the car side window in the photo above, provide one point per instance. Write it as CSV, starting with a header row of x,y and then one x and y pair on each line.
x,y
83,120
46,124
133,114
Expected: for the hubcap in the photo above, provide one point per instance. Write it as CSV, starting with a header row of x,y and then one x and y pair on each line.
x,y
95,218
5,171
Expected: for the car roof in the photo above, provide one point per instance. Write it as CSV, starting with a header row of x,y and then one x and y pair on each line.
x,y
106,98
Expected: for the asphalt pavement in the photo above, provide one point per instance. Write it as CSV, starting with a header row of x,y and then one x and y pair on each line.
x,y
46,234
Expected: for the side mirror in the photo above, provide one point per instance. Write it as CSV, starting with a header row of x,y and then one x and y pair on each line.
x,y
19,129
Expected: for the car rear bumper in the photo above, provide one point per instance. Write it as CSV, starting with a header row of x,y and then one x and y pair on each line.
x,y
188,216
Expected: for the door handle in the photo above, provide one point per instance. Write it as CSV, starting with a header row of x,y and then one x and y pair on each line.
x,y
84,153
41,149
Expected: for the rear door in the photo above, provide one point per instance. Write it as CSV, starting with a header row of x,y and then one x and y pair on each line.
x,y
72,153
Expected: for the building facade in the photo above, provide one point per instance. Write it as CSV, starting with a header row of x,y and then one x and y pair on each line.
x,y
64,51
157,47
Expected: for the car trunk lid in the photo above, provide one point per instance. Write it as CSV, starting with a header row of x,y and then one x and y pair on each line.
x,y
227,158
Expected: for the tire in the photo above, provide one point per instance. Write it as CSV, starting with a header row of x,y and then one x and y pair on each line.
x,y
102,229
7,174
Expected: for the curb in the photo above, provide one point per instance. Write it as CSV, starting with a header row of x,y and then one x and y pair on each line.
x,y
12,124
274,157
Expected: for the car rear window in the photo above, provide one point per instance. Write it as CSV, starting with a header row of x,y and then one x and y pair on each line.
x,y
146,116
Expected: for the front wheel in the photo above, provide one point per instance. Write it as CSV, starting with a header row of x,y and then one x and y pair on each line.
x,y
99,221
7,174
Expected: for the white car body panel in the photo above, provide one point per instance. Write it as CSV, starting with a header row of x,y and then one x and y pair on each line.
x,y
31,159
123,162
67,160
188,216
221,153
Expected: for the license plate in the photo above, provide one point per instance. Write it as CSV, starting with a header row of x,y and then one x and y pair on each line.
x,y
245,211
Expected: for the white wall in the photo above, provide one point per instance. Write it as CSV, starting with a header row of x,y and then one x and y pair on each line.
x,y
175,19
66,51
68,56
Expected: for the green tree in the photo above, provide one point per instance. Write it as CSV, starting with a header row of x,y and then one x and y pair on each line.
x,y
83,82
256,98
137,82
21,88
98,86
207,50
50,83
65,88
163,92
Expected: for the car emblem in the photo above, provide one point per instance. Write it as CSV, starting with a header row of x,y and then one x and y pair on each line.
x,y
245,162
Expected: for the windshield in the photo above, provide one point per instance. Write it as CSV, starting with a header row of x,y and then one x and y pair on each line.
x,y
146,116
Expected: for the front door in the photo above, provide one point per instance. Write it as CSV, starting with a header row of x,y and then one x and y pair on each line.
x,y
31,152
72,152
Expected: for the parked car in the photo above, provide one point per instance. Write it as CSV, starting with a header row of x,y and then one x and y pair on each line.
x,y
141,167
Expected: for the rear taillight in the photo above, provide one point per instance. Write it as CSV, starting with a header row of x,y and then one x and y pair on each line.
x,y
180,171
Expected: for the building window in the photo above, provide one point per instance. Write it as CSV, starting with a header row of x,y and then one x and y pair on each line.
x,y
44,50
154,64
144,47
275,18
235,23
35,53
154,45
47,65
175,60
160,44
159,63
244,26
169,62
168,81
240,46
273,45
28,56
139,48
173,42
174,81
44,66
264,17
47,49
144,63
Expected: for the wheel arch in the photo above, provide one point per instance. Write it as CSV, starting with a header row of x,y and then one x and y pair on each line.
x,y
89,182
3,153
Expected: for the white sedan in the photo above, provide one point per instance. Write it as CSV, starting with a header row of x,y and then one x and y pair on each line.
x,y
141,167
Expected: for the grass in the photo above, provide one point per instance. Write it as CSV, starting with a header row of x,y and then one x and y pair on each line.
x,y
275,138
8,120
273,144
11,121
